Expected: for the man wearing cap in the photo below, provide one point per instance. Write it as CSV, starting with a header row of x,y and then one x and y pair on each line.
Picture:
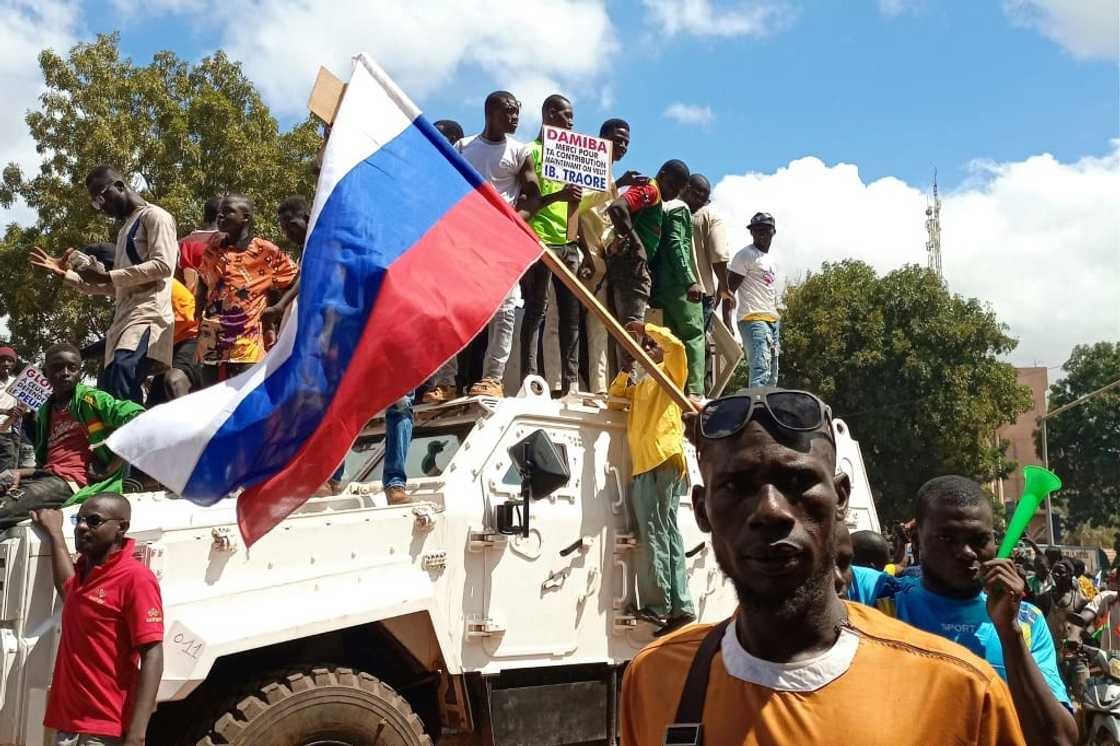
x,y
753,277
795,665
9,412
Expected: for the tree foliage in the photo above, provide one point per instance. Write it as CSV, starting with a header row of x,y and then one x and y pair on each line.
x,y
184,133
912,368
1084,442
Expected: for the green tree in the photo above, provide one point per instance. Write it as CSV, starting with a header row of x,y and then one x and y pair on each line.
x,y
1084,442
185,132
912,369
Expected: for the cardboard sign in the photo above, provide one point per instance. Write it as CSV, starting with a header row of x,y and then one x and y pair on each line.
x,y
326,96
581,160
31,387
728,354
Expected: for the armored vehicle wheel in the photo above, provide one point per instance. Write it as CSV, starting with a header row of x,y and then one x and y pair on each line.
x,y
318,707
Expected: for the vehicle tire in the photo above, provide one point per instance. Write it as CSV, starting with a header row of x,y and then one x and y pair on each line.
x,y
320,707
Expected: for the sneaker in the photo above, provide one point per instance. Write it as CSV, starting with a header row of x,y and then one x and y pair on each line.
x,y
488,387
674,623
396,495
439,394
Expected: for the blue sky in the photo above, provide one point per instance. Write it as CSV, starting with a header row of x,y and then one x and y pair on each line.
x,y
937,83
831,115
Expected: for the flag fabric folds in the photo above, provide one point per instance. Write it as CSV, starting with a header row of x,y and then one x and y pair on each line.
x,y
409,253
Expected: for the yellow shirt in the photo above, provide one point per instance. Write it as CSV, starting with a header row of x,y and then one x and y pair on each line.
x,y
597,229
182,309
1088,590
654,430
896,686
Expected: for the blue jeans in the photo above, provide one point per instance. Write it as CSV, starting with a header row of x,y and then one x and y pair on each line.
x,y
123,378
761,345
398,437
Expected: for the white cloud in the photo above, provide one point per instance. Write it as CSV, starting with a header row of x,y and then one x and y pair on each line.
x,y
547,45
1037,239
27,28
1088,29
702,18
690,114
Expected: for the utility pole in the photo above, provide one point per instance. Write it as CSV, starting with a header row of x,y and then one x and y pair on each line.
x,y
1046,450
933,228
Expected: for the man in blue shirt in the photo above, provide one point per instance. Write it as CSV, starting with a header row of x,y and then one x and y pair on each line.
x,y
968,596
853,581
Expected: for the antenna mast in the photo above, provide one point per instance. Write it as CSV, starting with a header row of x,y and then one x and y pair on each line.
x,y
933,228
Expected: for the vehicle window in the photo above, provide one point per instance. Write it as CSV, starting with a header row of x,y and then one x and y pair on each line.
x,y
358,456
428,455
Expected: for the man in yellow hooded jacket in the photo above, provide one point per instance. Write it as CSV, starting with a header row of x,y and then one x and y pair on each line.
x,y
656,436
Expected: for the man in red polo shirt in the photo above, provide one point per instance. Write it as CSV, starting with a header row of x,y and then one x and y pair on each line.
x,y
110,659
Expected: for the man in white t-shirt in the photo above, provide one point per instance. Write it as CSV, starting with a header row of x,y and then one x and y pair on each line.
x,y
753,277
503,162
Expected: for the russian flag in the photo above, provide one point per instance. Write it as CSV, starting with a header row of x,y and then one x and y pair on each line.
x,y
408,255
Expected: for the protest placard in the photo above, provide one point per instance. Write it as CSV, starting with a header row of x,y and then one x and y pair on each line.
x,y
577,159
31,387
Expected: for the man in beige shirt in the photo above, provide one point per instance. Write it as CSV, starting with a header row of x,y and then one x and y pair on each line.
x,y
141,338
596,231
710,253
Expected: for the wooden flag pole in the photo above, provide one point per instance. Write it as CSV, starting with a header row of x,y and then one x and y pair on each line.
x,y
325,99
615,329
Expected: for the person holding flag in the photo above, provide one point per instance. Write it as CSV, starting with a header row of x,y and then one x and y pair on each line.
x,y
400,226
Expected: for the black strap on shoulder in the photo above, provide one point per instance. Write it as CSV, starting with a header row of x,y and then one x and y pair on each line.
x,y
130,244
687,728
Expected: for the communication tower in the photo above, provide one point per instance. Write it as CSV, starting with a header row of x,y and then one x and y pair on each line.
x,y
933,228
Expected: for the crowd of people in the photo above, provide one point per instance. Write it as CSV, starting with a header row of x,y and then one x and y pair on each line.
x,y
799,659
192,311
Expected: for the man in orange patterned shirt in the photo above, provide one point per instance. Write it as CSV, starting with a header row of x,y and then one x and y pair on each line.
x,y
236,273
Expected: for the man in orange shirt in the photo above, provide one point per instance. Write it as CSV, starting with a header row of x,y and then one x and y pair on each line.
x,y
236,273
796,664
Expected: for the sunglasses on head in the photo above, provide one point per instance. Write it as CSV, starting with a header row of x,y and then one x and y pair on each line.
x,y
93,520
798,411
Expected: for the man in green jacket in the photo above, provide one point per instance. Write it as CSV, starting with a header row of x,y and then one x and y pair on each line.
x,y
676,288
69,428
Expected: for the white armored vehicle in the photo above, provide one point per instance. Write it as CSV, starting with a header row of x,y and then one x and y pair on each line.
x,y
457,619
